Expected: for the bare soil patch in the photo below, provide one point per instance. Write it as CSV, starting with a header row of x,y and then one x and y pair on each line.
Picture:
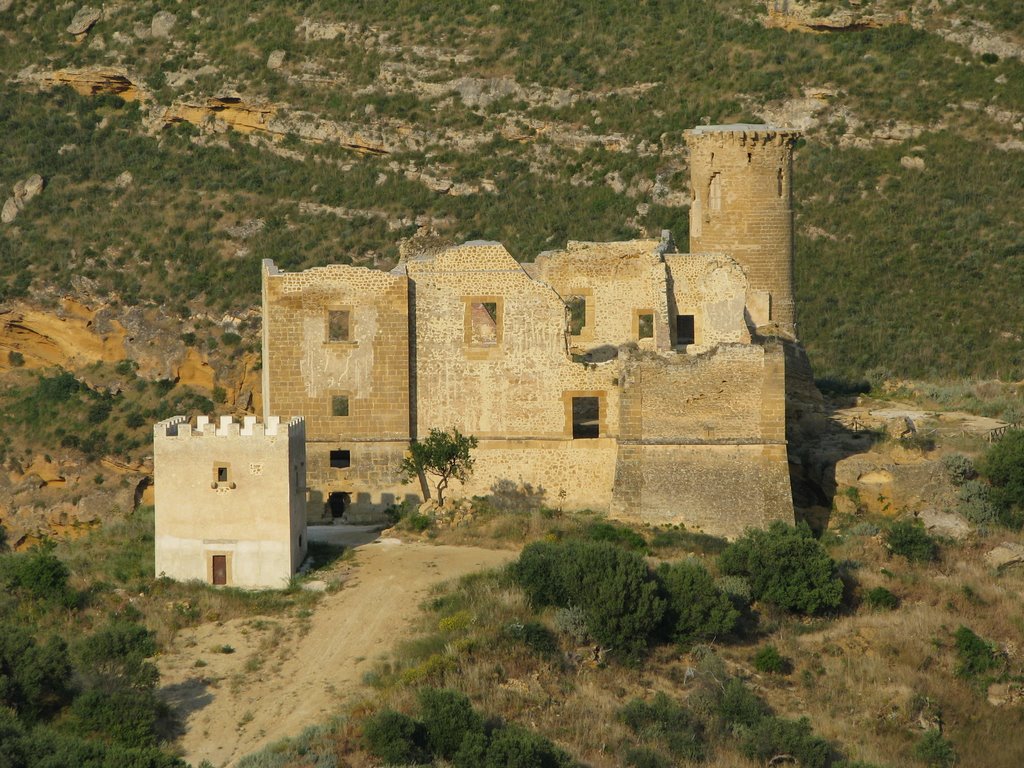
x,y
242,684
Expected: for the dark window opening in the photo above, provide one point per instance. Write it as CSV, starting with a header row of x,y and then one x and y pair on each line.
x,y
577,314
779,184
339,405
684,330
222,474
483,318
645,325
586,415
338,325
300,539
220,570
337,504
341,459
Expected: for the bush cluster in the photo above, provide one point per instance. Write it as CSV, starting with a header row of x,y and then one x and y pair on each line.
x,y
909,539
450,729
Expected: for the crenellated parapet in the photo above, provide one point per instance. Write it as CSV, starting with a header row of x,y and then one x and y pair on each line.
x,y
179,427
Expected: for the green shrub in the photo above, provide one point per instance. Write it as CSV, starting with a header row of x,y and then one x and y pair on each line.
x,y
128,717
959,468
881,599
668,722
534,636
737,705
613,588
447,717
616,534
909,539
395,738
571,622
770,661
15,359
935,751
975,656
786,566
773,736
514,747
40,574
976,503
1003,466
34,678
696,607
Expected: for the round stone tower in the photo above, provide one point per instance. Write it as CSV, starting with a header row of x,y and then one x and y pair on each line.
x,y
742,205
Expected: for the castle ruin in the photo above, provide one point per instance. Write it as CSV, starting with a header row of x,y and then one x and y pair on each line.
x,y
622,377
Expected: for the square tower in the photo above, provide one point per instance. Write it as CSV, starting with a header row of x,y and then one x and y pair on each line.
x,y
230,500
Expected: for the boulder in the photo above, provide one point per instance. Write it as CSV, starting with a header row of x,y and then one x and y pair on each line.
x,y
912,163
275,59
1005,555
948,524
163,23
84,20
124,180
5,5
9,212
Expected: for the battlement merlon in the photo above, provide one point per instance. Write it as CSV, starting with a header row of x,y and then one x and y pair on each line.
x,y
226,426
742,134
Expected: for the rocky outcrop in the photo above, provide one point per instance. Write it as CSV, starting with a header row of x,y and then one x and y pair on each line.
x,y
68,340
802,16
163,23
1006,555
84,20
221,113
90,81
890,484
22,193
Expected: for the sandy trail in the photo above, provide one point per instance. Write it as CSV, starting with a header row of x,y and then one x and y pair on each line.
x,y
286,674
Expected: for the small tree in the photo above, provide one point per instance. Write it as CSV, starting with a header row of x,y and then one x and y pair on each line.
x,y
444,455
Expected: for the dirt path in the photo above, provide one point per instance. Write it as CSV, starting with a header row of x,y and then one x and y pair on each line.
x,y
284,675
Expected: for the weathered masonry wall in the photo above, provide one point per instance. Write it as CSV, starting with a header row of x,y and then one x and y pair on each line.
x,y
713,289
703,440
741,179
618,281
336,349
232,491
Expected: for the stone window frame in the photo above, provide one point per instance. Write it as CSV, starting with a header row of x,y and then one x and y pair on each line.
x,y
335,397
602,414
475,350
589,312
217,481
351,340
637,313
715,192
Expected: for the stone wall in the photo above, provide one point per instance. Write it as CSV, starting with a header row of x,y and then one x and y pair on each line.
x,y
232,490
307,366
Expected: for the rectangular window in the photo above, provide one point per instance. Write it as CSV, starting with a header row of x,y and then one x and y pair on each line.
x,y
221,473
586,418
577,306
338,325
483,318
341,459
339,405
645,325
684,330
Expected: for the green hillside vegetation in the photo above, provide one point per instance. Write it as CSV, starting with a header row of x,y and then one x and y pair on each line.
x,y
911,272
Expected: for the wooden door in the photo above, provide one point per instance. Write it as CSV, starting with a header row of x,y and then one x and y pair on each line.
x,y
220,569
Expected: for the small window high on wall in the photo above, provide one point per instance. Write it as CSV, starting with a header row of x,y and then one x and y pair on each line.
x,y
341,459
339,327
339,405
684,330
483,321
586,418
645,325
577,306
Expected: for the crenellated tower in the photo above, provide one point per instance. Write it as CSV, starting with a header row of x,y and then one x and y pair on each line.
x,y
742,205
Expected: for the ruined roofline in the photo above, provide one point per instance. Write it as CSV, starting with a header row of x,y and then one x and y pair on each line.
x,y
226,426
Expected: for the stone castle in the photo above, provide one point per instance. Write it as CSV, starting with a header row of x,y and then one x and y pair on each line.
x,y
622,377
